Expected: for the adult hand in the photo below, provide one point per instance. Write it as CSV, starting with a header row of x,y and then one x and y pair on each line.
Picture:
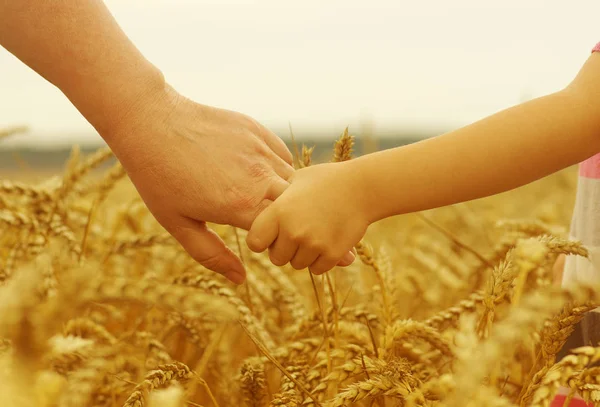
x,y
190,163
194,164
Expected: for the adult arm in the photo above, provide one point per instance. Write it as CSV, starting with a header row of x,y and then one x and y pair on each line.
x,y
190,163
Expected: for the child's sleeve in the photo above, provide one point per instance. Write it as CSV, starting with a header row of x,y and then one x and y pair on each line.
x,y
585,224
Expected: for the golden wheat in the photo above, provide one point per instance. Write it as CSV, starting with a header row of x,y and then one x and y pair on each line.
x,y
100,307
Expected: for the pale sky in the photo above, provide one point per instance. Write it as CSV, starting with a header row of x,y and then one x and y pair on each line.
x,y
329,63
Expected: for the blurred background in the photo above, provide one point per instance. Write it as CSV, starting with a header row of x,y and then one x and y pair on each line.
x,y
393,71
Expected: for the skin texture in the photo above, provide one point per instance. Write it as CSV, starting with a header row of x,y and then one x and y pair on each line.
x,y
327,208
190,163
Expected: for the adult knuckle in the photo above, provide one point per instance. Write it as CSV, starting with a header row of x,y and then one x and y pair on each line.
x,y
258,170
260,148
239,200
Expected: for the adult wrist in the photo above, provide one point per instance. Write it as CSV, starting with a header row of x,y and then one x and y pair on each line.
x,y
112,104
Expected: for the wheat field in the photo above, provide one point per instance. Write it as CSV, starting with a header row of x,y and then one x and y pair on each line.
x,y
450,307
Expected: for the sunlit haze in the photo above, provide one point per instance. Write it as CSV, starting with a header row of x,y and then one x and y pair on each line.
x,y
322,65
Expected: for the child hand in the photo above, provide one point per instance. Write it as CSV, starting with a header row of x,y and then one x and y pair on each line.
x,y
316,222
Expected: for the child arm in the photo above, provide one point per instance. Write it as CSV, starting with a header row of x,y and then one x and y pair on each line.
x,y
327,208
501,152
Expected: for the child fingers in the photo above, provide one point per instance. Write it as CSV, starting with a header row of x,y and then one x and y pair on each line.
x,y
323,264
304,257
263,231
347,260
245,219
282,251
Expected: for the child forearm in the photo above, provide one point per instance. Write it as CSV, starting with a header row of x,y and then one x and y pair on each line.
x,y
327,208
504,151
78,46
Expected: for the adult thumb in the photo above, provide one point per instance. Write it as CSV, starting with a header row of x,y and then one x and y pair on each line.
x,y
208,249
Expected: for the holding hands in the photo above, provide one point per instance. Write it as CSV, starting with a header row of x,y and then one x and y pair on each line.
x,y
316,222
194,164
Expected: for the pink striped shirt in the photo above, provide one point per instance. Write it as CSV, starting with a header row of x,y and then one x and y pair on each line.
x,y
590,168
585,224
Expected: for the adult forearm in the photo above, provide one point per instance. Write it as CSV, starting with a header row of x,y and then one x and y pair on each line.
x,y
78,46
499,153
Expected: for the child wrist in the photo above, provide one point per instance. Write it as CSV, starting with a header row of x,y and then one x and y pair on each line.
x,y
362,191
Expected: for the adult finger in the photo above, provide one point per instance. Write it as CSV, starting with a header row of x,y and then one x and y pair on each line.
x,y
277,145
245,218
276,188
282,251
304,257
281,168
207,248
263,231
